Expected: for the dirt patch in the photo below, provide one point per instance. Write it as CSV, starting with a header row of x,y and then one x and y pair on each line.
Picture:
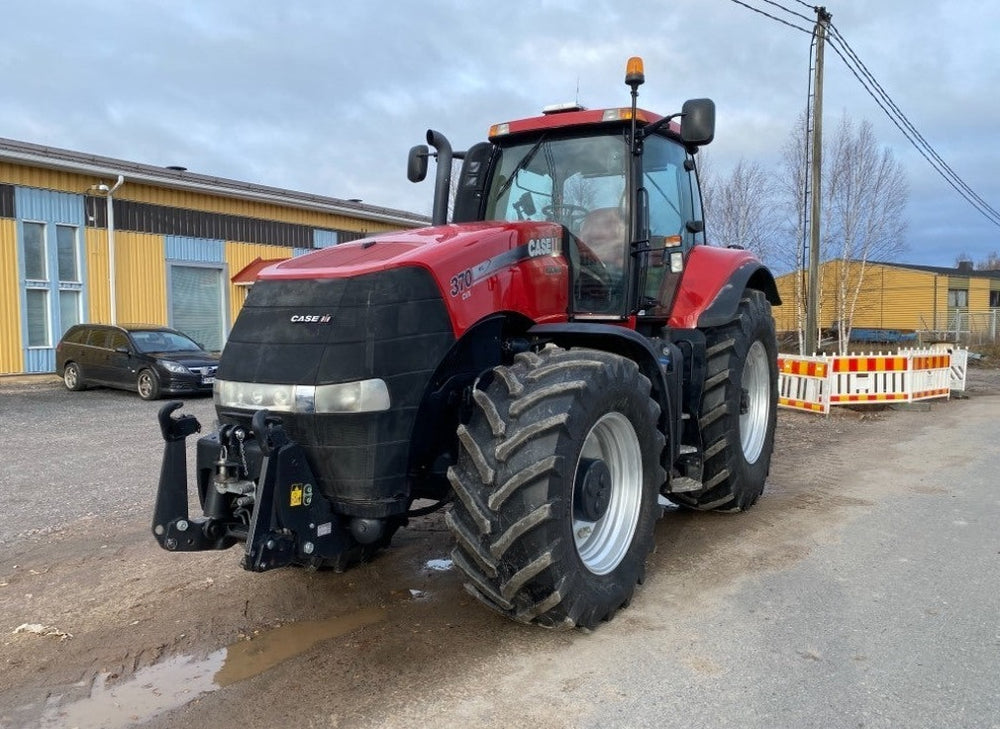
x,y
360,643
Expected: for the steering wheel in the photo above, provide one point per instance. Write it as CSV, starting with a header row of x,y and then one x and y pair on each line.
x,y
570,215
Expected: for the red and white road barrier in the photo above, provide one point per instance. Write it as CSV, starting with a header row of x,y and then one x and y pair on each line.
x,y
814,384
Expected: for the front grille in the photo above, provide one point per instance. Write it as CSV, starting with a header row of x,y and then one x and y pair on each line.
x,y
208,371
392,325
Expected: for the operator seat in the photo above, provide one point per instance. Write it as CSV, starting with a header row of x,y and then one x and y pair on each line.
x,y
599,285
603,231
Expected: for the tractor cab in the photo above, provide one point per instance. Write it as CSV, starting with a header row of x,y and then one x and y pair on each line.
x,y
622,183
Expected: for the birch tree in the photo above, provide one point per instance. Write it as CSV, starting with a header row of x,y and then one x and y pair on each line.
x,y
867,192
739,208
864,193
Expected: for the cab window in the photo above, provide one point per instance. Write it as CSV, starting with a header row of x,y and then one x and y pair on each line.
x,y
668,187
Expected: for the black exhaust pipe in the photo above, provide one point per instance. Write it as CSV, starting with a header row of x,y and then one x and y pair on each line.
x,y
442,182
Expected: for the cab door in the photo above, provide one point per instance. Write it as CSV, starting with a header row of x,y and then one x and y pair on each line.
x,y
669,189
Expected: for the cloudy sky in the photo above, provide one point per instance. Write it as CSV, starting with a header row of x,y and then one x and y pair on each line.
x,y
327,96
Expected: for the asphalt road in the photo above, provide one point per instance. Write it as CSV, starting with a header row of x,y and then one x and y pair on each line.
x,y
862,591
68,455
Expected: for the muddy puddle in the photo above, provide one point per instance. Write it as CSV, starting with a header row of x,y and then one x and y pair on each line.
x,y
180,680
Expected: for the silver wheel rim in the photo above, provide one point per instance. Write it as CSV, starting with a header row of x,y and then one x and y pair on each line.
x,y
756,383
70,377
602,544
145,384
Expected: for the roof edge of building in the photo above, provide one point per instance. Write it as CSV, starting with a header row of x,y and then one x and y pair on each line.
x,y
12,150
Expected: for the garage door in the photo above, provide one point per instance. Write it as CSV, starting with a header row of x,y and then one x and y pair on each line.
x,y
197,303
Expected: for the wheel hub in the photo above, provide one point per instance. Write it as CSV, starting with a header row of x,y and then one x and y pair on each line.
x,y
592,492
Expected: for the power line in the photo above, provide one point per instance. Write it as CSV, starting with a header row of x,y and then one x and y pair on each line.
x,y
874,89
917,139
772,17
925,150
790,12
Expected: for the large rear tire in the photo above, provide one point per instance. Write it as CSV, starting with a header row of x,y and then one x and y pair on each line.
x,y
739,409
556,486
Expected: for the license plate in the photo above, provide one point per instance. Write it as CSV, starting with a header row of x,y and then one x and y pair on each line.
x,y
207,380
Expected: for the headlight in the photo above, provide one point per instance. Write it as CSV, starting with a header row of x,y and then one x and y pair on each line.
x,y
363,396
177,369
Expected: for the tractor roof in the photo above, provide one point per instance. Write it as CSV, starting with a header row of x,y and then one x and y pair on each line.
x,y
558,118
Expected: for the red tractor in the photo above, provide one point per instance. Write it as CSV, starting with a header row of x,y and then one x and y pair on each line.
x,y
561,355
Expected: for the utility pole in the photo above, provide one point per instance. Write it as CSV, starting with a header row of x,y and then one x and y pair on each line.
x,y
812,291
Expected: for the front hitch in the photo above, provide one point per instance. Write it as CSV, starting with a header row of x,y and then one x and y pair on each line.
x,y
172,527
255,487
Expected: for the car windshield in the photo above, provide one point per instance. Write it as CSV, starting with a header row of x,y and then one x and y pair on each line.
x,y
161,341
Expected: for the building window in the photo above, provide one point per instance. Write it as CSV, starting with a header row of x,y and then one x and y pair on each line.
x,y
995,299
69,309
958,298
35,253
69,266
37,305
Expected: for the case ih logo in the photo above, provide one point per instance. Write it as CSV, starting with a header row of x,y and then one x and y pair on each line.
x,y
310,318
541,246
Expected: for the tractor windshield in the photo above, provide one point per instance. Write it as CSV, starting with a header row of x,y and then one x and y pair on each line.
x,y
576,181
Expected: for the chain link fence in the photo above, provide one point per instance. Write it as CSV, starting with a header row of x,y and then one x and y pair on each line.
x,y
962,326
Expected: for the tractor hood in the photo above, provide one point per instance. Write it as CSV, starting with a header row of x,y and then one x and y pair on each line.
x,y
425,247
479,268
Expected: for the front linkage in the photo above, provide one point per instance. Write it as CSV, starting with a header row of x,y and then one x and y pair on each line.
x,y
255,487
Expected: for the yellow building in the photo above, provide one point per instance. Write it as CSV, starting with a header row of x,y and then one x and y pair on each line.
x,y
175,239
900,296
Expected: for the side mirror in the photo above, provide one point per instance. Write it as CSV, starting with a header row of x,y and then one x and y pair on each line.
x,y
698,122
416,164
526,204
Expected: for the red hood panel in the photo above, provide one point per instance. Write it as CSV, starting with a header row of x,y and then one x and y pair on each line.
x,y
419,247
480,268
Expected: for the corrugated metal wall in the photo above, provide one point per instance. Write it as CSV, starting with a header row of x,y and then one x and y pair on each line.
x,y
241,255
216,204
53,208
141,279
51,196
11,355
96,250
890,298
80,184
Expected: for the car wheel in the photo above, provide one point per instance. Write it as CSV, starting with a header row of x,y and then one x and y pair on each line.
x,y
72,377
148,385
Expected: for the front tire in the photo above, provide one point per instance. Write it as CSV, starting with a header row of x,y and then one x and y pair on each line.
x,y
739,409
556,486
148,385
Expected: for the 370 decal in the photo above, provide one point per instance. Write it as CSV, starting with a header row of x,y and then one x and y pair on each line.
x,y
461,282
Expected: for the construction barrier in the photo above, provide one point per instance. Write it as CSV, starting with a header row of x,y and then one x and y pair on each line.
x,y
869,378
814,384
958,366
802,383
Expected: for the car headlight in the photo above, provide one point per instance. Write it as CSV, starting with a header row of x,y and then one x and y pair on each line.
x,y
177,369
362,396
